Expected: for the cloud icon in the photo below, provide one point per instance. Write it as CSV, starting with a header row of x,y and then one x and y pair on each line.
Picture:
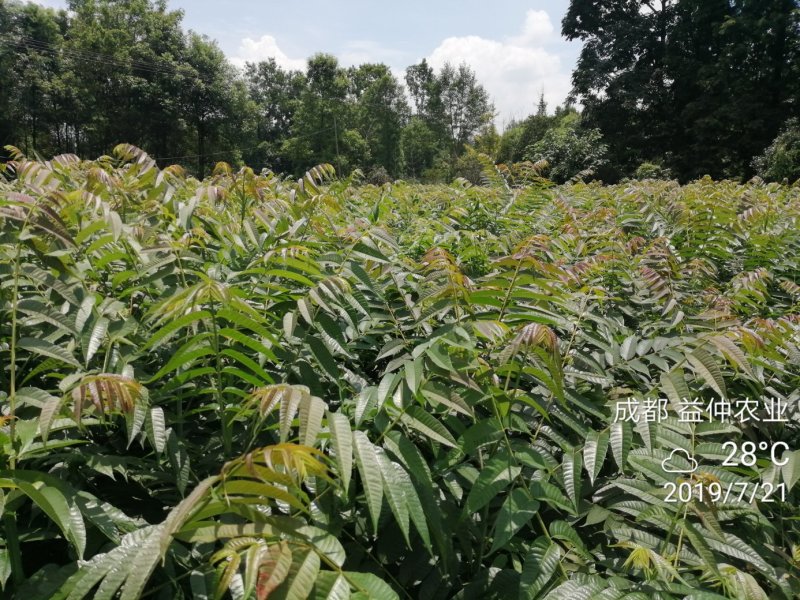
x,y
671,467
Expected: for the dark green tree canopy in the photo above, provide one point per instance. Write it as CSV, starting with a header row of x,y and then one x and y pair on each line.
x,y
275,93
694,86
701,86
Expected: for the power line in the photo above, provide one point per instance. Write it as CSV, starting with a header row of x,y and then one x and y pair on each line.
x,y
90,55
41,46
25,42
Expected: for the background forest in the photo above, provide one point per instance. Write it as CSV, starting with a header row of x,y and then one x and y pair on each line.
x,y
666,88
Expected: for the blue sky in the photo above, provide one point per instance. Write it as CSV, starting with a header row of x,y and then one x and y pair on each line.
x,y
514,47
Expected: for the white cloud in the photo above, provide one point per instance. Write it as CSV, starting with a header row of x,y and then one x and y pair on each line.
x,y
514,71
266,47
538,28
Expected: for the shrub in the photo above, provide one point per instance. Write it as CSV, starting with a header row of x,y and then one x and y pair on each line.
x,y
781,160
648,170
378,176
470,167
571,151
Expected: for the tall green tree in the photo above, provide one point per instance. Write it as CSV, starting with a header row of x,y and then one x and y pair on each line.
x,y
700,86
466,105
381,111
451,104
211,97
423,139
30,62
570,151
621,76
781,159
276,93
518,137
737,84
122,67
320,133
423,87
420,146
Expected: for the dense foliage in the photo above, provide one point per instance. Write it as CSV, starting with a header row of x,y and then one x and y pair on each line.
x,y
695,87
781,159
254,387
571,151
108,71
698,86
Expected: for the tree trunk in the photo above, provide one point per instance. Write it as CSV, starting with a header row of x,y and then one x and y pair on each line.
x,y
201,150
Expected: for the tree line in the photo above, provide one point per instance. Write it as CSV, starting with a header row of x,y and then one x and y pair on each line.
x,y
105,71
677,88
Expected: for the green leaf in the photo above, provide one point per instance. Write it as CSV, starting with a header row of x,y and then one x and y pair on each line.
x,y
707,368
156,429
289,275
85,312
342,441
423,422
736,548
571,467
374,587
312,410
748,587
96,338
414,506
391,348
45,348
135,421
41,312
496,475
48,414
395,492
370,470
288,406
515,513
539,567
184,358
413,374
153,548
302,576
628,349
213,533
157,338
5,564
439,357
621,437
561,530
324,358
552,495
330,586
52,502
325,544
248,341
594,452
700,544
447,396
254,323
675,387
735,354
791,470
368,252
